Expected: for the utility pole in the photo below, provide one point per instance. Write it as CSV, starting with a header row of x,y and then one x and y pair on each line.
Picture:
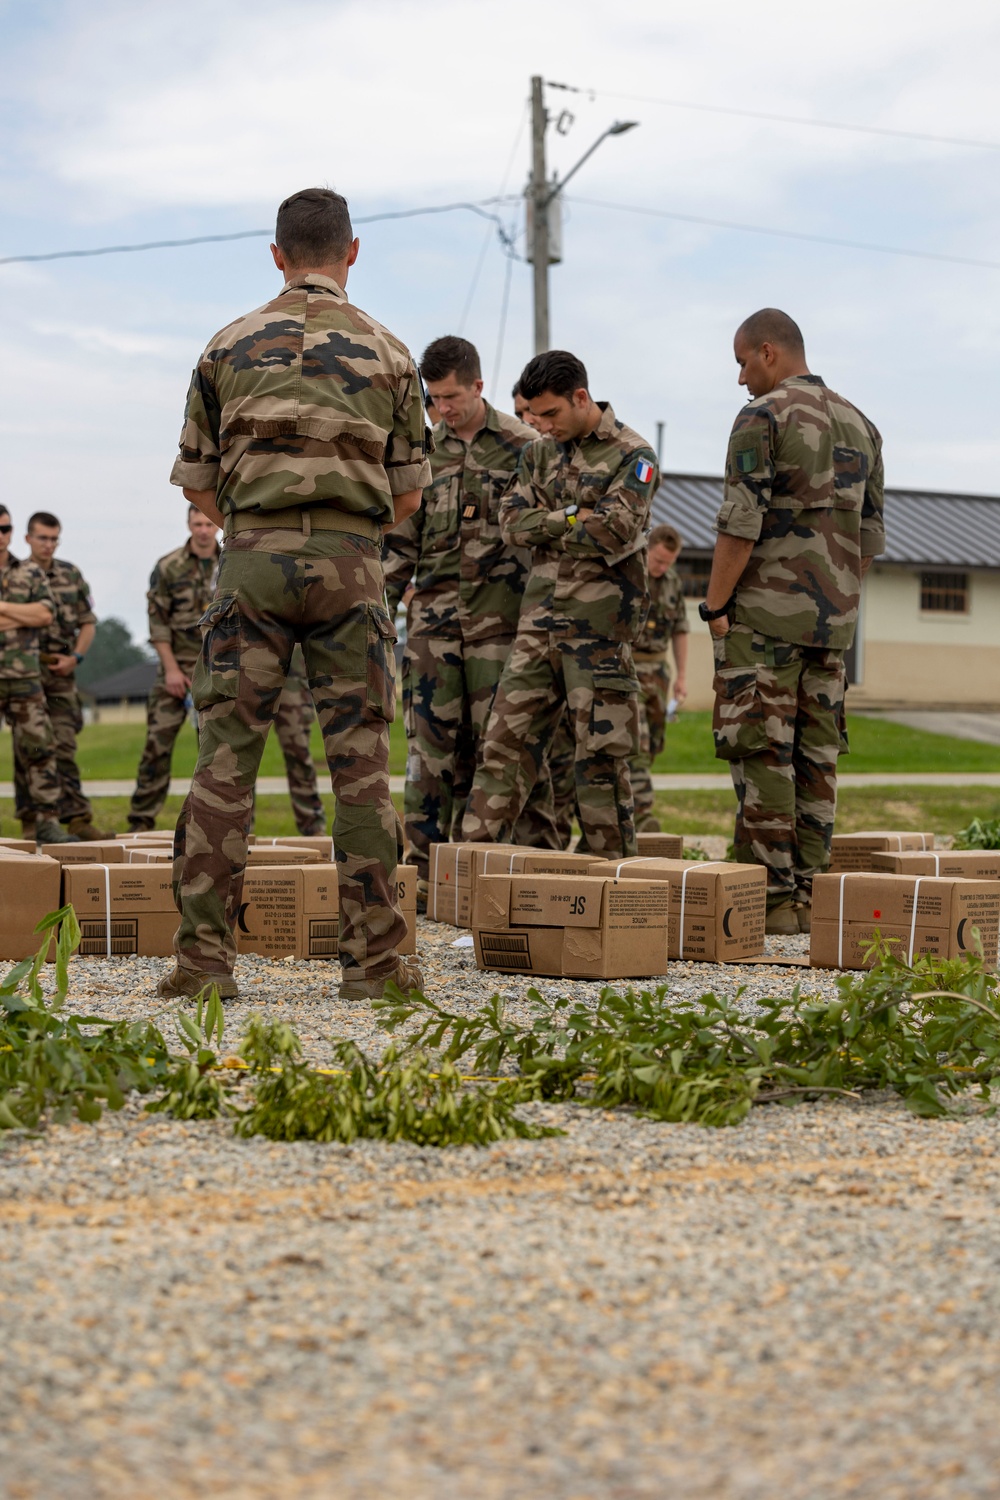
x,y
659,444
540,216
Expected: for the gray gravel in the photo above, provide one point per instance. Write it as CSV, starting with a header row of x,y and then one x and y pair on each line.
x,y
808,1305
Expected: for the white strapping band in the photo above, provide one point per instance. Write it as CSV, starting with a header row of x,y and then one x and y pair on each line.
x,y
913,924
434,879
680,941
107,908
840,926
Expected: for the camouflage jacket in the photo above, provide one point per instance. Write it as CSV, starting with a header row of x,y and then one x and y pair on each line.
x,y
667,614
73,609
307,401
22,582
180,590
468,582
588,576
804,482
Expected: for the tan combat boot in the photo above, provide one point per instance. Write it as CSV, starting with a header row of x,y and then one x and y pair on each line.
x,y
782,920
406,976
188,984
48,831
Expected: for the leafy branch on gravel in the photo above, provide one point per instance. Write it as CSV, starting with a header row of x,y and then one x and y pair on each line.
x,y
981,833
930,1031
409,1095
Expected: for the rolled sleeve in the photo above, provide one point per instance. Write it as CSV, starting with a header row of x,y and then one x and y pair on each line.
x,y
158,604
618,518
872,515
407,477
409,442
749,476
197,464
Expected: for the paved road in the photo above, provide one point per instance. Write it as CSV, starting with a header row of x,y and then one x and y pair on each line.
x,y
711,782
960,726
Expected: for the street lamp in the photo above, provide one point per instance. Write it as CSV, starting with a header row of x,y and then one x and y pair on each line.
x,y
542,197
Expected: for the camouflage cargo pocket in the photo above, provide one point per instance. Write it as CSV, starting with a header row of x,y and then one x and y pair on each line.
x,y
217,675
738,716
381,663
614,715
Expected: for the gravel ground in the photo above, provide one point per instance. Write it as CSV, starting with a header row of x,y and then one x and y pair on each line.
x,y
808,1304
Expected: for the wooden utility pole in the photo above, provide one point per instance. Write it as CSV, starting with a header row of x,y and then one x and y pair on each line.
x,y
540,216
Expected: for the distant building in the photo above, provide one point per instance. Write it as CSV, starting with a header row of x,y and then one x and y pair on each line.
x,y
121,698
929,630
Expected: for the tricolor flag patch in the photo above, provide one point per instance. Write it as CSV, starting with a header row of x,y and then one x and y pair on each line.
x,y
643,471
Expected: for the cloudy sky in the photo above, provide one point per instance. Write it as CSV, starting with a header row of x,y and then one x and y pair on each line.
x,y
125,122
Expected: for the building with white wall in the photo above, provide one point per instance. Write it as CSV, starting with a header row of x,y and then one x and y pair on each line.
x,y
929,632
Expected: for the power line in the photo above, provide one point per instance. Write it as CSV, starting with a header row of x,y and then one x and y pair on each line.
x,y
753,114
247,234
786,234
506,246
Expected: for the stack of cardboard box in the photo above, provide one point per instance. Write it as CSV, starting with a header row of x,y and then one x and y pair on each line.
x,y
571,926
455,870
918,914
853,851
716,909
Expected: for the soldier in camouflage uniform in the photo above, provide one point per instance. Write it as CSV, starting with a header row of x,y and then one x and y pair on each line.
x,y
293,722
63,645
800,521
468,583
27,608
180,590
666,625
581,502
304,435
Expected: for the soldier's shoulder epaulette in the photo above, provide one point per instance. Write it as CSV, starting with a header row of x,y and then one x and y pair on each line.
x,y
66,570
378,330
170,561
630,441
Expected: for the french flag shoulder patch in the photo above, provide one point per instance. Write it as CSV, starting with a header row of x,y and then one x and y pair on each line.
x,y
643,471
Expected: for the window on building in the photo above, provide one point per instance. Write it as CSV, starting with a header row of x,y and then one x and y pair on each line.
x,y
694,573
947,592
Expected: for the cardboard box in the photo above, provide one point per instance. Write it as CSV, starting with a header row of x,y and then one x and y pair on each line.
x,y
405,881
848,909
598,929
29,890
450,881
281,854
289,911
18,846
148,854
321,842
122,909
723,904
853,851
660,845
516,860
146,836
110,853
960,864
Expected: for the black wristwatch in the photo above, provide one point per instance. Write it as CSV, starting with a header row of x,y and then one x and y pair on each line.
x,y
704,613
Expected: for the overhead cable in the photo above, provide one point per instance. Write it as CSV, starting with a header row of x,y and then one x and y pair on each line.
x,y
755,114
785,234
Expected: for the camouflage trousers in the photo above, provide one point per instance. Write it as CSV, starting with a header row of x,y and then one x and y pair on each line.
x,y
23,705
594,682
324,590
779,721
293,724
65,713
654,695
165,718
448,690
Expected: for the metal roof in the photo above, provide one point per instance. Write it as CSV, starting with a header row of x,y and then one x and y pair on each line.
x,y
132,683
923,527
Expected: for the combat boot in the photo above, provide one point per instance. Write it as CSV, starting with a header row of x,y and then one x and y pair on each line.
x,y
86,832
29,827
48,831
782,920
188,984
803,912
406,976
649,824
423,891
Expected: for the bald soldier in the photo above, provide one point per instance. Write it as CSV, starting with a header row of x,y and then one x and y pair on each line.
x,y
801,520
304,438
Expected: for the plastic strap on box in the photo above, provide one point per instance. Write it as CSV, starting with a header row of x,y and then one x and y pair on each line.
x,y
433,871
107,908
684,881
913,924
840,925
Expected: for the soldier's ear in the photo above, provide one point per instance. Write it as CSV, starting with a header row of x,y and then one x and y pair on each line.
x,y
278,258
352,254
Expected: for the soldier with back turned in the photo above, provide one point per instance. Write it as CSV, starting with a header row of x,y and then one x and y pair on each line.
x,y
303,437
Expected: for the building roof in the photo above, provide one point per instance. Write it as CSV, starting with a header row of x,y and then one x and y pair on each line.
x,y
923,527
132,683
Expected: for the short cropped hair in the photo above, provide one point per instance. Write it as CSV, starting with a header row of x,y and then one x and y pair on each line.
x,y
451,355
772,326
313,226
516,390
44,518
557,371
666,536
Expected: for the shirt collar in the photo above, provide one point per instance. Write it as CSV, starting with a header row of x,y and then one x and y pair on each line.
x,y
191,552
606,426
491,423
314,279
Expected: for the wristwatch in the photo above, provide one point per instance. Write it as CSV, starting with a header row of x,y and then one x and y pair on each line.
x,y
78,657
571,513
704,613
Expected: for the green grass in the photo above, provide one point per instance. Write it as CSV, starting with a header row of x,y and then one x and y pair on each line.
x,y
876,745
941,810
